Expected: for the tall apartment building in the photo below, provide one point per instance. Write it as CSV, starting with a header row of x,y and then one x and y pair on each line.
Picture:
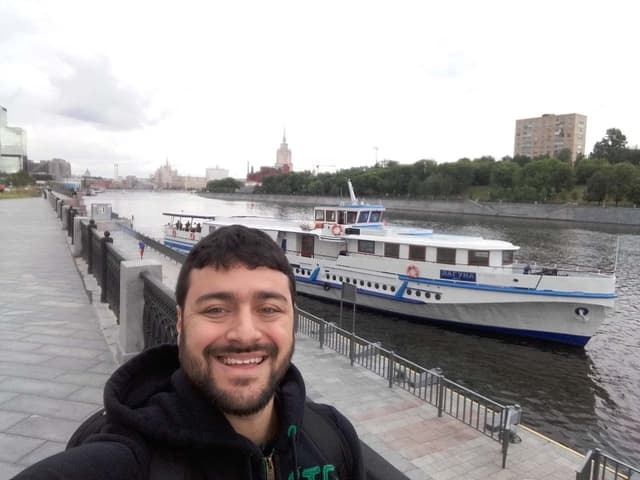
x,y
550,134
13,146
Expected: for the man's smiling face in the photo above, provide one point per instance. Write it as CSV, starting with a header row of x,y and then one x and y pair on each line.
x,y
236,335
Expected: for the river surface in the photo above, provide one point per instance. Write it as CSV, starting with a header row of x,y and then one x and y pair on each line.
x,y
582,398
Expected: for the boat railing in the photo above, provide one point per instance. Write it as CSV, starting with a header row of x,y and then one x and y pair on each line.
x,y
564,269
487,416
600,465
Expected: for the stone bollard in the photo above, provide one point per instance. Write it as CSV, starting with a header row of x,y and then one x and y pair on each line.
x,y
76,249
64,215
130,334
103,256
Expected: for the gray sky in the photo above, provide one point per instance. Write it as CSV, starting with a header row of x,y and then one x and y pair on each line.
x,y
214,83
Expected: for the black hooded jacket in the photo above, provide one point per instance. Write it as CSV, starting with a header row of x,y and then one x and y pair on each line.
x,y
157,420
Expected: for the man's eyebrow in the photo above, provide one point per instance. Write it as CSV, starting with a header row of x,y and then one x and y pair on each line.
x,y
270,295
215,296
228,296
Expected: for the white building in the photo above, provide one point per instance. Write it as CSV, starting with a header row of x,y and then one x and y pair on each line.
x,y
13,146
216,173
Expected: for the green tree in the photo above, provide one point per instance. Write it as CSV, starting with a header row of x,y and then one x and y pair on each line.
x,y
586,167
225,185
505,174
611,147
623,177
599,184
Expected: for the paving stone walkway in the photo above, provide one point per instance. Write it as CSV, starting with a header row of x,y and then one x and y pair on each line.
x,y
53,357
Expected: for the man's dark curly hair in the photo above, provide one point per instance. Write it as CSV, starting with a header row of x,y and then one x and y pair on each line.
x,y
233,245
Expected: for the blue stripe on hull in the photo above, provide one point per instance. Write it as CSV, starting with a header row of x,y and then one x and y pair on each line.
x,y
182,247
493,288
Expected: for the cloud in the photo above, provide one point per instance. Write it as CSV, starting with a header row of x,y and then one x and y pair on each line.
x,y
92,94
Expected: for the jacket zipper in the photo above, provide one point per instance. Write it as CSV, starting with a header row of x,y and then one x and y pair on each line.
x,y
269,468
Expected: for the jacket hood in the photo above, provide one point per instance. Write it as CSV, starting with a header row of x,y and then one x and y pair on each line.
x,y
151,394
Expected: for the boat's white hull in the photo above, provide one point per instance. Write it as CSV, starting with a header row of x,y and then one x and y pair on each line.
x,y
537,318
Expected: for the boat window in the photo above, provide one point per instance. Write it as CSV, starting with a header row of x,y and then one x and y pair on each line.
x,y
352,217
376,216
341,217
417,252
446,255
320,215
392,250
507,257
363,217
479,257
331,215
366,246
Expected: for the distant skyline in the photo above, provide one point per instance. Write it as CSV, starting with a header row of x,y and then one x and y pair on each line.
x,y
215,83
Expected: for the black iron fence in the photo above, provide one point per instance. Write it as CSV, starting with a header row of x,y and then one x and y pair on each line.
x,y
159,314
601,466
111,277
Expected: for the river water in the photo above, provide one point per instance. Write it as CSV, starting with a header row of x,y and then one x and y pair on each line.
x,y
582,398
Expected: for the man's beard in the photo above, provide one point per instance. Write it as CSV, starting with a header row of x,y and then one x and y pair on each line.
x,y
200,372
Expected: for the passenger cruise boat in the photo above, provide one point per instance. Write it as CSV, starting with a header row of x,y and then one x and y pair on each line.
x,y
456,280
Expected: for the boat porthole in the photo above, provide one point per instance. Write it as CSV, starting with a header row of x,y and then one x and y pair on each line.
x,y
362,283
438,296
297,270
427,295
334,277
328,276
408,291
341,278
355,281
384,287
377,285
368,284
348,280
418,293
393,289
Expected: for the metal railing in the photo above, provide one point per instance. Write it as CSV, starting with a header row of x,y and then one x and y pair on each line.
x,y
111,275
159,313
601,466
487,416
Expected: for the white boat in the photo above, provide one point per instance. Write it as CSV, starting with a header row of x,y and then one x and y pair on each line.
x,y
457,280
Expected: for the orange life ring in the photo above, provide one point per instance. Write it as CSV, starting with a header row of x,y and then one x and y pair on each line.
x,y
192,236
173,232
336,229
413,271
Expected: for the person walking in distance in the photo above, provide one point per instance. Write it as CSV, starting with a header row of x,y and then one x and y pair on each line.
x,y
141,246
225,401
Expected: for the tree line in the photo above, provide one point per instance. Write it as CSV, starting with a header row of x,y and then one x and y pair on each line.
x,y
611,173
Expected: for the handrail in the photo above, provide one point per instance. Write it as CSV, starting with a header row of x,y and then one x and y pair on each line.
x,y
600,465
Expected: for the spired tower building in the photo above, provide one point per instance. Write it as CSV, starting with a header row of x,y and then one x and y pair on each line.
x,y
283,156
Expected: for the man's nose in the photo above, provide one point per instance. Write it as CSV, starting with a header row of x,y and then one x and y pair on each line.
x,y
244,328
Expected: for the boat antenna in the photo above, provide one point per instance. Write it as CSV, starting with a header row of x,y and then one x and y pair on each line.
x,y
354,199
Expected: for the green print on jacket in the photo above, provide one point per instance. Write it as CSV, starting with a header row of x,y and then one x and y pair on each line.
x,y
313,473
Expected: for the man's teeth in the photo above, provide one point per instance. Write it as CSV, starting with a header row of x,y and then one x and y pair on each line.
x,y
247,361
